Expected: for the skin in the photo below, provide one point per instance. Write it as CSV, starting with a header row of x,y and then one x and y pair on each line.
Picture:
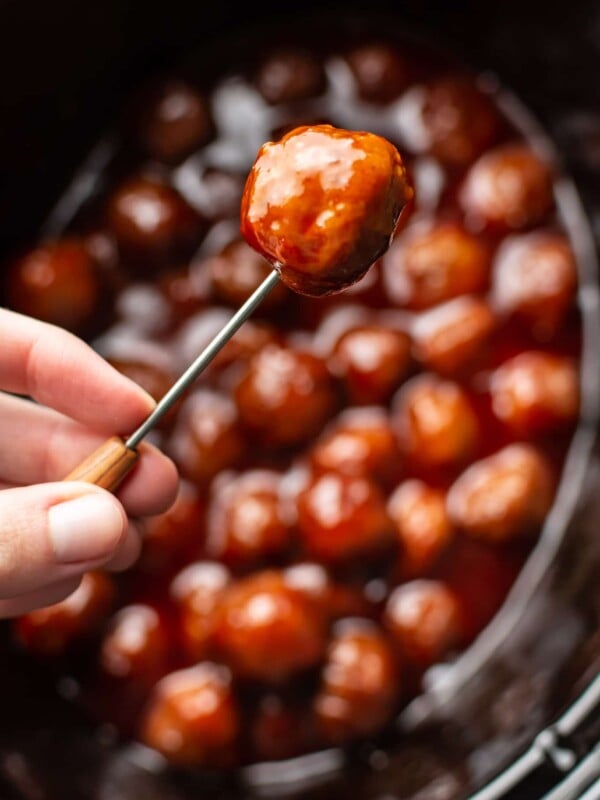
x,y
81,400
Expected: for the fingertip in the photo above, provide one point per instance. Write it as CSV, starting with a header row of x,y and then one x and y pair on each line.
x,y
128,552
152,487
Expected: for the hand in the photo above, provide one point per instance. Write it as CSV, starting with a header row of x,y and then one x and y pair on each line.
x,y
52,532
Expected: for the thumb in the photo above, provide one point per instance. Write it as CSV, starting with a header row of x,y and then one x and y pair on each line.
x,y
55,530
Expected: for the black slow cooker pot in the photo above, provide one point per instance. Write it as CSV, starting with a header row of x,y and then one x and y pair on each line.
x,y
519,715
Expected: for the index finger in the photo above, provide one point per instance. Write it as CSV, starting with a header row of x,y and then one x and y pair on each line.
x,y
59,370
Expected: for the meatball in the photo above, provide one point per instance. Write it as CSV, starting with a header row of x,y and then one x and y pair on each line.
x,y
136,646
172,120
290,75
435,422
371,360
247,520
52,630
192,717
285,396
267,630
360,683
172,537
424,618
535,392
152,222
58,282
433,262
196,592
380,71
207,437
460,120
322,205
421,525
361,443
504,496
237,271
509,188
452,337
535,279
342,517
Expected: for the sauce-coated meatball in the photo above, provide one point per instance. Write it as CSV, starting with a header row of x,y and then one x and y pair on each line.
x,y
247,519
267,630
535,392
361,442
430,263
435,422
503,496
421,525
192,717
50,631
371,360
341,517
424,618
322,205
58,282
534,279
285,396
360,683
509,188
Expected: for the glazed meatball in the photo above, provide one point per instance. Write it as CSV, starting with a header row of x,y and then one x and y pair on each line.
x,y
196,592
290,75
421,525
342,517
435,422
434,262
509,188
535,393
360,683
177,534
52,630
361,443
237,271
504,496
207,437
172,120
459,119
452,338
534,279
334,598
381,73
152,222
58,282
322,205
285,396
192,717
267,630
424,618
371,360
136,646
247,520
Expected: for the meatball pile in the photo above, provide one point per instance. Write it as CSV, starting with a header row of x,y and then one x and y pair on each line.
x,y
363,474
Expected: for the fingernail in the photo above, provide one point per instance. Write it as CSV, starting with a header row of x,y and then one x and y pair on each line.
x,y
85,529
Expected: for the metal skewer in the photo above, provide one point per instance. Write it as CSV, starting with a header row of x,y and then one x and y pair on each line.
x,y
108,465
204,359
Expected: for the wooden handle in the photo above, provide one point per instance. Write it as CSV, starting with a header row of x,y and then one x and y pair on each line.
x,y
106,466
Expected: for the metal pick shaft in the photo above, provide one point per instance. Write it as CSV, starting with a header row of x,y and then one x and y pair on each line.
x,y
108,465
